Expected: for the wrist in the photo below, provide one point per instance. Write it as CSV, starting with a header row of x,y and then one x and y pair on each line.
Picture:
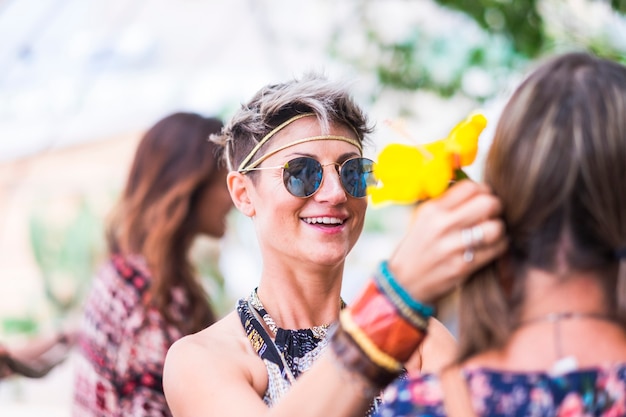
x,y
425,292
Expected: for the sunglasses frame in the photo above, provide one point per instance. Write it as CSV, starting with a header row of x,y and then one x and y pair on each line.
x,y
339,167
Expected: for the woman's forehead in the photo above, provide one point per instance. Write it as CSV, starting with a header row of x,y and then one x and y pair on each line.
x,y
310,128
306,127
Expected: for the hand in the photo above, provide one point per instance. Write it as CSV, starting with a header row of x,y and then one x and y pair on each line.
x,y
451,237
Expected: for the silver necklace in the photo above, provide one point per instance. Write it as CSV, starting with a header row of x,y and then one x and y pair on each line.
x,y
319,332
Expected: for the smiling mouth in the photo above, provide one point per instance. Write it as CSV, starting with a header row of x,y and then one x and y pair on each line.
x,y
326,221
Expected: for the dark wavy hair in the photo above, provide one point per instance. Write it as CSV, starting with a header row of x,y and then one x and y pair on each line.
x,y
558,164
157,217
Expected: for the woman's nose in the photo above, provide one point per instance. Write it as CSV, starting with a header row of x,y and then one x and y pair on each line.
x,y
331,189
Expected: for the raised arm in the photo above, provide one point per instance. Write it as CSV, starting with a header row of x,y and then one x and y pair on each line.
x,y
205,376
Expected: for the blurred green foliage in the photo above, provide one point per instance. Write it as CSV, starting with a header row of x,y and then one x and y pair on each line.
x,y
619,5
439,63
519,21
19,325
66,253
488,42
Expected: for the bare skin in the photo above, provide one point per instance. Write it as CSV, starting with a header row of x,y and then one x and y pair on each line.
x,y
437,351
216,371
587,339
37,357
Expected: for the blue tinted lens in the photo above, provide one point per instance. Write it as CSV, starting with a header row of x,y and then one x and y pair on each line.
x,y
302,176
356,175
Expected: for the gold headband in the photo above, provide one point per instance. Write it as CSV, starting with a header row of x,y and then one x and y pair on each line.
x,y
243,167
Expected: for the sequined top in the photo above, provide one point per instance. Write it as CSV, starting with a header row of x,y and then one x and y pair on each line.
x,y
585,393
287,353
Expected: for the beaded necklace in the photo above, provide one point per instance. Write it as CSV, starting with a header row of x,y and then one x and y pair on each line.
x,y
290,353
298,349
319,332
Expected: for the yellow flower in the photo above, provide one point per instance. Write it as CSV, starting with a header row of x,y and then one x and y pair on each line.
x,y
463,139
409,173
395,170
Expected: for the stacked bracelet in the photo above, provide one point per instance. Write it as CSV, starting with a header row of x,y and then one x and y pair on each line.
x,y
356,360
373,352
416,318
381,330
424,310
378,318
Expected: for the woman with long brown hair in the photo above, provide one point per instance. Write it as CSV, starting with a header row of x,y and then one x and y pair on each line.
x,y
147,295
543,329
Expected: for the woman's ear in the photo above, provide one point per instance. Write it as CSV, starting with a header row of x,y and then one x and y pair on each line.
x,y
238,187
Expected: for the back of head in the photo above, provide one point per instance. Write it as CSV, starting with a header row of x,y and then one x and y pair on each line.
x,y
276,103
557,163
157,214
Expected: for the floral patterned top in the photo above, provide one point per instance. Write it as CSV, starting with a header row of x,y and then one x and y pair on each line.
x,y
581,393
122,346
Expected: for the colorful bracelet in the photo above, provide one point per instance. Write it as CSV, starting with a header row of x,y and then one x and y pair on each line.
x,y
378,318
354,359
418,321
424,310
372,351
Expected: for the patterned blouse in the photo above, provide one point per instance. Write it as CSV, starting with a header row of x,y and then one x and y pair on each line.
x,y
581,393
286,353
122,345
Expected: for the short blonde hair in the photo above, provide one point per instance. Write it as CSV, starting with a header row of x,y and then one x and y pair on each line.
x,y
275,103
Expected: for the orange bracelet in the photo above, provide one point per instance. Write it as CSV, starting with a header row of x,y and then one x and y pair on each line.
x,y
378,318
372,351
354,359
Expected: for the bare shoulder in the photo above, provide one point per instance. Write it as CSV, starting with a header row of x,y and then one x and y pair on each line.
x,y
217,359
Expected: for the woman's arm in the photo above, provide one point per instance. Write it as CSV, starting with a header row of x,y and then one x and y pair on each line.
x,y
37,358
205,378
209,377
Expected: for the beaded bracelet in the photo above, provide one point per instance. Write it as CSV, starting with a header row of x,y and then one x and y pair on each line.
x,y
416,320
352,357
378,318
424,310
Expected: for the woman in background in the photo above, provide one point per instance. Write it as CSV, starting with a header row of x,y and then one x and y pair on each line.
x,y
147,295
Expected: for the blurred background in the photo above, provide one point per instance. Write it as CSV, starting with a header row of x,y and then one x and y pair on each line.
x,y
80,80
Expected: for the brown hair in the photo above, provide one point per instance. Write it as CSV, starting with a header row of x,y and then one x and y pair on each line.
x,y
276,103
157,216
558,164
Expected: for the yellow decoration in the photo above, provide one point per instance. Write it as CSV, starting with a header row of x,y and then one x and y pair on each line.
x,y
410,173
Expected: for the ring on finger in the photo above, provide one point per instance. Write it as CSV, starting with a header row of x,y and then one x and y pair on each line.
x,y
478,234
467,235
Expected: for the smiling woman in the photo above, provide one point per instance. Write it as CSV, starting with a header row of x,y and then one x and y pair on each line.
x,y
295,154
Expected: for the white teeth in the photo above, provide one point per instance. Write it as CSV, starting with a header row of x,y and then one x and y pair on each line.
x,y
323,220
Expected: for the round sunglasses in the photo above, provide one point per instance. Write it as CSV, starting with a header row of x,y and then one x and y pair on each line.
x,y
303,176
